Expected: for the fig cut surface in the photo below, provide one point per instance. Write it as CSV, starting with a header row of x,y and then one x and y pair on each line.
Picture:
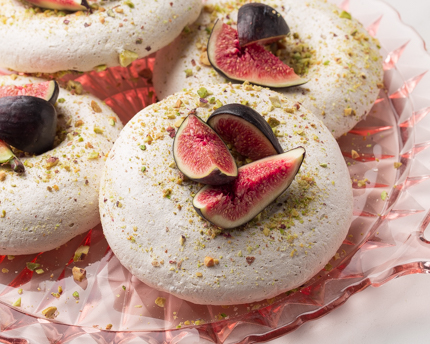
x,y
252,63
258,184
47,90
201,155
68,5
261,23
246,130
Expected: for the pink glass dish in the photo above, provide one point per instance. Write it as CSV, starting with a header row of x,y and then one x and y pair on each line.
x,y
386,238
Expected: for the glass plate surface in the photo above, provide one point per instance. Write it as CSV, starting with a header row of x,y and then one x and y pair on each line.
x,y
389,164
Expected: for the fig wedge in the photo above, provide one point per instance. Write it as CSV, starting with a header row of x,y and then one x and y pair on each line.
x,y
246,130
252,63
201,155
258,184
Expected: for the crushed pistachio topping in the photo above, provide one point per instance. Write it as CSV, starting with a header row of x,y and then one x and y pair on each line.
x,y
80,253
126,57
74,87
397,165
273,122
294,52
345,15
160,301
354,154
32,266
49,312
78,274
95,106
17,303
202,92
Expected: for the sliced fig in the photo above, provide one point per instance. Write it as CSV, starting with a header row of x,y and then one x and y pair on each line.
x,y
246,130
258,184
252,63
261,23
7,157
68,5
201,155
28,123
47,90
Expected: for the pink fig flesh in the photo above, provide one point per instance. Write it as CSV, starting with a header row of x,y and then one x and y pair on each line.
x,y
252,62
47,90
258,184
201,155
68,5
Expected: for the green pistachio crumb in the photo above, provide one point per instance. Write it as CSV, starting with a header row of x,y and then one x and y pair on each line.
x,y
32,266
100,68
129,3
202,92
345,15
126,57
188,72
17,303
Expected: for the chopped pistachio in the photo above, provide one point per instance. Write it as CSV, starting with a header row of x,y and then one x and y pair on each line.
x,y
17,303
75,295
95,106
100,68
126,57
384,195
49,312
275,101
273,122
39,271
93,155
160,301
202,92
80,253
78,274
32,266
188,73
345,15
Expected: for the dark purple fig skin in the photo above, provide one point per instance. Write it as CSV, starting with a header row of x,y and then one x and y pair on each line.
x,y
258,22
251,116
28,123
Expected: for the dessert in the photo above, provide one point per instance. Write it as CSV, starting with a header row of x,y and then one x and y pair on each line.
x,y
328,47
109,33
55,197
149,221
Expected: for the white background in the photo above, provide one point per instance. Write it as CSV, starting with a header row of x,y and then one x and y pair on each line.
x,y
399,311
